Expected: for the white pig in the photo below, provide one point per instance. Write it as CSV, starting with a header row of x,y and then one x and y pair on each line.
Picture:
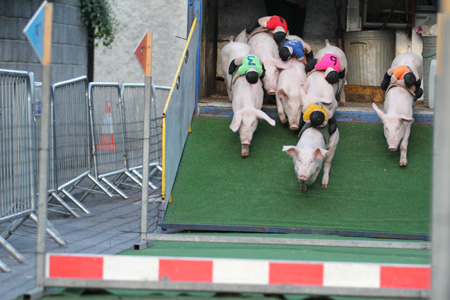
x,y
318,86
229,52
291,90
264,46
247,98
398,108
309,154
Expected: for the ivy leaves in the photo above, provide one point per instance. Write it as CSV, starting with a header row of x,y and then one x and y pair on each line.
x,y
99,19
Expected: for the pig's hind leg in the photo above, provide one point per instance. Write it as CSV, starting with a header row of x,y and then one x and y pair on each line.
x,y
280,110
342,96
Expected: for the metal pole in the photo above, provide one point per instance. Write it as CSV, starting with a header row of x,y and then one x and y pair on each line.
x,y
44,149
43,176
146,160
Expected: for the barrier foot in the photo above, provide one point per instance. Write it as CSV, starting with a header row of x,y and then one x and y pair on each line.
x,y
137,181
74,200
65,205
13,227
10,249
51,231
114,188
87,192
98,183
142,245
4,267
35,293
150,184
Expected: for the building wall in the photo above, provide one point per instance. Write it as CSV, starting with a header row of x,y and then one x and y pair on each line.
x,y
165,19
69,39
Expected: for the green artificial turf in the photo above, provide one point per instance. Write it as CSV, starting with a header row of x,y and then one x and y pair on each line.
x,y
367,190
285,252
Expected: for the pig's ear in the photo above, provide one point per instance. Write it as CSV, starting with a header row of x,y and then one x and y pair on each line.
x,y
406,119
378,111
236,122
263,116
281,93
391,71
323,100
321,153
238,60
283,64
291,150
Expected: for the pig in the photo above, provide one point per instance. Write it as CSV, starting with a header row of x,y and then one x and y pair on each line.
x,y
247,98
397,116
291,89
318,86
264,46
229,52
308,156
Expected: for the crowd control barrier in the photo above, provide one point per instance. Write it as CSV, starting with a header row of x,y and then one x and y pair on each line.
x,y
71,145
17,164
108,133
132,96
178,113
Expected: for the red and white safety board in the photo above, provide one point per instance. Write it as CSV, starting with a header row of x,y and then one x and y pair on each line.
x,y
239,271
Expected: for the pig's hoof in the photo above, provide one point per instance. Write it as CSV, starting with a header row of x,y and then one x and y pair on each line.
x,y
245,150
283,119
324,185
342,103
403,163
303,188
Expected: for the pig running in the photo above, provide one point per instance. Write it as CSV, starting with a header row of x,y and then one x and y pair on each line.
x,y
247,98
318,86
309,154
398,107
264,46
291,90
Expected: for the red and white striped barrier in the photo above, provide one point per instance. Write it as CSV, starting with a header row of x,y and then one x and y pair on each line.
x,y
239,271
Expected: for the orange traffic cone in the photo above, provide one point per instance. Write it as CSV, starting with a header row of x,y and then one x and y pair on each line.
x,y
107,137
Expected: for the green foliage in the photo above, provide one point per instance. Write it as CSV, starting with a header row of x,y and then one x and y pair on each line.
x,y
99,19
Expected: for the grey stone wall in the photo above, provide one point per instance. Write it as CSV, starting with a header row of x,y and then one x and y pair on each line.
x,y
167,20
69,39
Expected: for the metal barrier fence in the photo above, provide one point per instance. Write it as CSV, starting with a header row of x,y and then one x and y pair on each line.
x,y
17,164
71,146
108,134
133,101
178,112
132,96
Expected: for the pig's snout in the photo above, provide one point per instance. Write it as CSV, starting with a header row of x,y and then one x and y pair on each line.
x,y
392,148
271,92
245,150
302,177
293,127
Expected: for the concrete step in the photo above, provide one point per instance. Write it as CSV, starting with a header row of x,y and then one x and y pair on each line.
x,y
353,112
